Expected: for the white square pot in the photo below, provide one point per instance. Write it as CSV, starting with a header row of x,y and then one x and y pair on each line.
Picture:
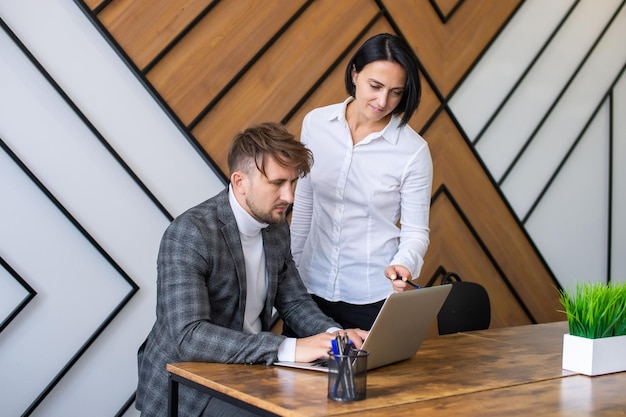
x,y
594,356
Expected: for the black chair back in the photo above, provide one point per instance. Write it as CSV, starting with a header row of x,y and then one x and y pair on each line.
x,y
466,308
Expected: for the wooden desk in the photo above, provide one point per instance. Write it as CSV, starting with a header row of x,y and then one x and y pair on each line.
x,y
479,373
576,395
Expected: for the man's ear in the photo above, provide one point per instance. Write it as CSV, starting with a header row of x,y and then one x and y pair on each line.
x,y
237,180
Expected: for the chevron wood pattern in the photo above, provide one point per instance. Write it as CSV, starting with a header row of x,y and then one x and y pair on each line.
x,y
218,66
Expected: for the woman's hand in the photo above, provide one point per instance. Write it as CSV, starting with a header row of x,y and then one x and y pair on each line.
x,y
399,277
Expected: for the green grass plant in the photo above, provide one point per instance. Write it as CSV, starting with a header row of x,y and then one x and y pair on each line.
x,y
596,310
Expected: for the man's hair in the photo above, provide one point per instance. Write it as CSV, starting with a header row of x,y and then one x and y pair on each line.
x,y
256,143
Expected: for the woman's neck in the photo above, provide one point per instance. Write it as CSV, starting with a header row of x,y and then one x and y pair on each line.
x,y
360,126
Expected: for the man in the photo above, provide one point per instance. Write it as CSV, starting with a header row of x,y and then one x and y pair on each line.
x,y
222,266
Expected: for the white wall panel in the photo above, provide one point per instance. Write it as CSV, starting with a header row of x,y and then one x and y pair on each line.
x,y
569,117
541,87
92,74
12,295
78,290
571,224
502,66
527,139
618,255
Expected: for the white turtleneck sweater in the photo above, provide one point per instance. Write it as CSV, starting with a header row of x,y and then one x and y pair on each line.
x,y
256,274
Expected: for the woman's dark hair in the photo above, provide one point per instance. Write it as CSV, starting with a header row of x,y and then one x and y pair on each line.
x,y
387,47
252,146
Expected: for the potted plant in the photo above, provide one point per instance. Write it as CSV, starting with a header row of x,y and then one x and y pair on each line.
x,y
596,316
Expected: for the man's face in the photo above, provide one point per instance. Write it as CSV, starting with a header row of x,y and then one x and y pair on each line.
x,y
267,197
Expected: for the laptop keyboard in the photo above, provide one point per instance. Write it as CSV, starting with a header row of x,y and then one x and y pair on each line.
x,y
320,363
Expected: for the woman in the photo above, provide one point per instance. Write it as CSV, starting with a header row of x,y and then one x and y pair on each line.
x,y
372,174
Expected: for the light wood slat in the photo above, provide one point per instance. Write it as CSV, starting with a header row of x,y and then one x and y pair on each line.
x,y
447,5
455,248
285,72
456,167
144,27
92,4
212,54
428,105
449,50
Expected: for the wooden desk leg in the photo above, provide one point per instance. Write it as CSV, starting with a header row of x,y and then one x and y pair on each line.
x,y
172,397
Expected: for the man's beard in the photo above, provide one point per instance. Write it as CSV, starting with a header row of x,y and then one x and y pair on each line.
x,y
266,217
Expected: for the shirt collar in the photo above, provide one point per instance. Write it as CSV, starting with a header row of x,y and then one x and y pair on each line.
x,y
391,132
340,111
247,224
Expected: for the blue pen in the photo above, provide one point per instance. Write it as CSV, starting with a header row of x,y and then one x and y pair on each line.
x,y
408,281
411,283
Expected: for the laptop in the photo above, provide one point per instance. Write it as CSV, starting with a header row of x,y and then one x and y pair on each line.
x,y
399,329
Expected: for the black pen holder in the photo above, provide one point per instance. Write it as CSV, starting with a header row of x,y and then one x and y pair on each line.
x,y
347,375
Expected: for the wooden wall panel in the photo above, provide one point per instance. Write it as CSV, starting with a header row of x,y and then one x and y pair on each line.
x,y
244,61
211,55
284,74
333,89
448,50
457,169
93,4
447,6
455,246
144,28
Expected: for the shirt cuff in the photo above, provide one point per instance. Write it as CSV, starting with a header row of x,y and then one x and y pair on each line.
x,y
287,350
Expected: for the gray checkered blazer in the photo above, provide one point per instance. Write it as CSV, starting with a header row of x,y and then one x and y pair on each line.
x,y
201,294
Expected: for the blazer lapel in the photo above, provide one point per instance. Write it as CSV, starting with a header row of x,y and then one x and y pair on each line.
x,y
230,232
272,265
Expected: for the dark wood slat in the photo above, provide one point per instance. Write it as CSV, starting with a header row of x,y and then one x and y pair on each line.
x,y
144,27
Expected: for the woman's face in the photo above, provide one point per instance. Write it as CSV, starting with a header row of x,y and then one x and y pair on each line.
x,y
378,89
